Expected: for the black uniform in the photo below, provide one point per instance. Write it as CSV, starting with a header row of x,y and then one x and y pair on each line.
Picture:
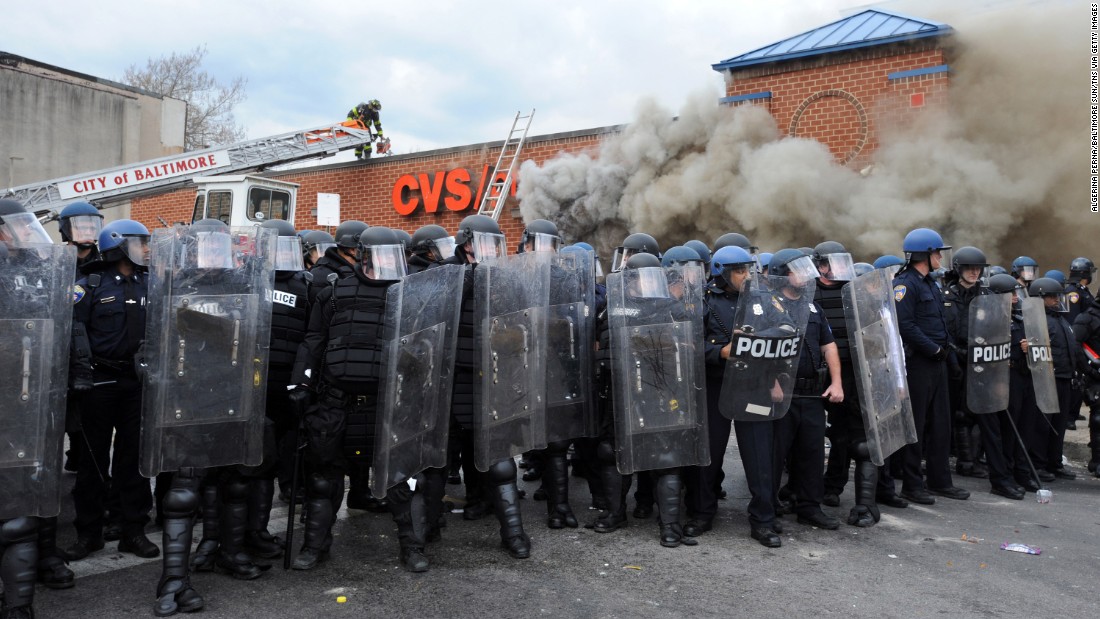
x,y
923,327
1086,329
1065,351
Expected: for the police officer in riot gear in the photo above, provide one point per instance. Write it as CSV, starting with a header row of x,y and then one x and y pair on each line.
x,y
339,259
1025,270
968,266
801,432
479,238
1065,353
923,328
315,243
1086,329
109,321
341,360
430,244
80,224
1078,295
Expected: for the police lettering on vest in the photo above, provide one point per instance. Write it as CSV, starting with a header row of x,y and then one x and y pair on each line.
x,y
284,298
1039,353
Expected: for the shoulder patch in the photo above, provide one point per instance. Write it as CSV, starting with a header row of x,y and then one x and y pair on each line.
x,y
1073,297
778,305
78,293
899,292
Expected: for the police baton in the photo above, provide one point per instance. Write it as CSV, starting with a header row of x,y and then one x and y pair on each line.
x,y
299,401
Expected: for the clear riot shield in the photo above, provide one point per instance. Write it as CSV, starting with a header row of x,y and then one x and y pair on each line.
x,y
657,370
206,350
762,367
511,296
570,331
422,313
1039,359
36,308
988,350
879,360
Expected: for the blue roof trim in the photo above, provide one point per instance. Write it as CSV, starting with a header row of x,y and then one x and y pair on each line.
x,y
869,28
915,72
752,96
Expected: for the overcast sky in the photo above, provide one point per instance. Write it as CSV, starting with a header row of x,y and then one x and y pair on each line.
x,y
447,73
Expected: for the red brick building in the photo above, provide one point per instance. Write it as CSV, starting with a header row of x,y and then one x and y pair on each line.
x,y
843,84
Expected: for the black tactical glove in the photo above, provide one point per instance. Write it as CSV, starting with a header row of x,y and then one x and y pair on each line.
x,y
940,354
81,379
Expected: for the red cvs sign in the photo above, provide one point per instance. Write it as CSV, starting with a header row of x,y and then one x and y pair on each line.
x,y
453,188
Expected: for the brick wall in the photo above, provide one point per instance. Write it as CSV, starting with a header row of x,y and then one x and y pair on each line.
x,y
845,99
366,189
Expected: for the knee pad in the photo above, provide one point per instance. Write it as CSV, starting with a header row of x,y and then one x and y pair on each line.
x,y
180,502
502,472
234,489
319,485
605,453
16,530
860,451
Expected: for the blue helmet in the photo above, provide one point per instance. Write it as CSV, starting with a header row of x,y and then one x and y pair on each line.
x,y
680,255
887,261
728,256
584,245
765,260
1057,276
571,249
862,268
1025,268
88,220
124,238
923,241
700,248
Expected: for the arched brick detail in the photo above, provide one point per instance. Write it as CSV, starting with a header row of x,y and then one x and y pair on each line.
x,y
861,112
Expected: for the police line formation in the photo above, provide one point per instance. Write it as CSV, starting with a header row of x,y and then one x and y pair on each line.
x,y
221,361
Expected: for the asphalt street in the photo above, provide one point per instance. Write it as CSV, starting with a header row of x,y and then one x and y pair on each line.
x,y
943,560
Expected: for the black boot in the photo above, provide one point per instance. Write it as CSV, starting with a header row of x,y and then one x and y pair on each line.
x,y
320,514
174,591
203,558
865,512
964,465
1094,440
613,484
667,487
556,481
53,572
232,559
412,525
435,487
18,568
258,541
506,505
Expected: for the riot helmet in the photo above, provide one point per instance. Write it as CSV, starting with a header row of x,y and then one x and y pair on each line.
x,y
314,245
347,233
833,262
1053,293
213,245
862,268
762,261
1056,275
1002,283
1025,268
887,261
80,224
483,235
636,243
920,244
735,239
680,255
643,277
288,245
732,266
595,256
125,238
997,269
970,265
1081,268
540,235
432,243
18,228
404,237
382,254
700,248
795,266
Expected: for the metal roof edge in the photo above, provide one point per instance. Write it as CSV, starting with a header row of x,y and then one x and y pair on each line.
x,y
727,65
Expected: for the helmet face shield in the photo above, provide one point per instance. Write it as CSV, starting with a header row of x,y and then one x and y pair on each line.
x,y
1027,273
646,283
543,242
619,258
836,267
487,245
444,247
85,229
802,271
288,254
136,249
385,262
214,250
22,230
1056,302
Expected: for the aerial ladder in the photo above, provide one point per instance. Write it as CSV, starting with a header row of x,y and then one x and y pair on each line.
x,y
492,201
121,183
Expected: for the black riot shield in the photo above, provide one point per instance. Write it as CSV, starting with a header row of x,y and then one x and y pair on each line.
x,y
988,350
422,313
1039,359
879,360
206,349
511,298
767,341
36,307
570,328
657,372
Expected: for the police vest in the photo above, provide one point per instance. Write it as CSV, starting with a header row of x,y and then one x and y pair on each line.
x,y
353,354
831,300
289,319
